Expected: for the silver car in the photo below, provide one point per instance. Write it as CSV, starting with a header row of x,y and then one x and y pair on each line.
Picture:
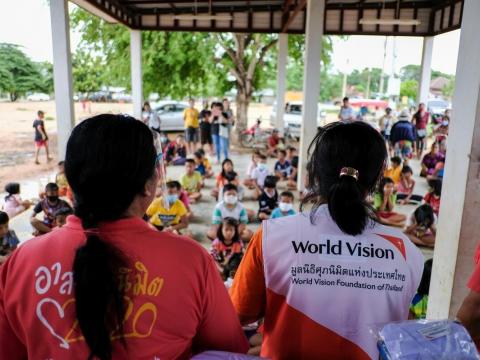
x,y
171,114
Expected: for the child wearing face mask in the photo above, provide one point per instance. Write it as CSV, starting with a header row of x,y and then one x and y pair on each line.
x,y
172,218
285,206
231,207
49,206
259,174
227,243
268,200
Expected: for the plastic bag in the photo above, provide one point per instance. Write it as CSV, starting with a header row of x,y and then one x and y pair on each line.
x,y
426,340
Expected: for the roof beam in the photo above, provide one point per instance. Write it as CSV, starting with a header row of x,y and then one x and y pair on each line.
x,y
300,7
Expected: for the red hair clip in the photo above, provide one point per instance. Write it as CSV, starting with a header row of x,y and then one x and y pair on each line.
x,y
348,171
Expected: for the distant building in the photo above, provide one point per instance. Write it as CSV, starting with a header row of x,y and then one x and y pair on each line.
x,y
437,85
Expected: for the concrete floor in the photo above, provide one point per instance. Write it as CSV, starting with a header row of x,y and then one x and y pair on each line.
x,y
202,210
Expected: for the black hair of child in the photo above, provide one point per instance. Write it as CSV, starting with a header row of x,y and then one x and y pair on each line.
x,y
407,169
396,160
383,182
270,182
201,151
190,161
232,222
436,186
283,152
174,185
51,187
226,161
288,194
424,286
12,189
198,154
424,215
229,187
232,265
4,219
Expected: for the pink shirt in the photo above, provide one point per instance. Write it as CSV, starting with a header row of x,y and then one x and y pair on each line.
x,y
13,206
177,299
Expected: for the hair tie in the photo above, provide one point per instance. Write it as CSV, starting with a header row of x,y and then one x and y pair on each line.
x,y
348,171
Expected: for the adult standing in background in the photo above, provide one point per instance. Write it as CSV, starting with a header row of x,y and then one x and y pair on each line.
x,y
192,125
420,121
386,123
403,136
41,137
206,128
346,113
225,128
150,117
216,118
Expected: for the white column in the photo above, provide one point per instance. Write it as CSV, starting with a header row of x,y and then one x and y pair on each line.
x,y
62,73
281,79
311,81
136,71
458,226
426,70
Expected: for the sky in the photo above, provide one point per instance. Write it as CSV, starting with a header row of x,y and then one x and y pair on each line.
x,y
27,23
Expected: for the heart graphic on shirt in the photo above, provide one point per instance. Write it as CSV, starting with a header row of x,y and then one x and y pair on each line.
x,y
47,304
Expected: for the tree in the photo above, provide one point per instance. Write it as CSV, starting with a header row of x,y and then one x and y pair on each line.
x,y
409,89
87,72
447,91
18,74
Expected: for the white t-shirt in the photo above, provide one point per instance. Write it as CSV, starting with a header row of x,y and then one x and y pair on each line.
x,y
346,114
260,174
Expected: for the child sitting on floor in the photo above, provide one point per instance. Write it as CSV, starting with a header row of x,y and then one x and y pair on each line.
x,y
61,216
405,187
230,207
61,179
227,175
227,243
268,200
192,181
8,239
171,218
394,170
434,195
202,164
285,206
418,307
384,203
283,168
292,158
14,204
259,174
421,227
176,153
249,182
231,268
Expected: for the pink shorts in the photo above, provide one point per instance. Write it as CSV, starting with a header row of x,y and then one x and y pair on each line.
x,y
41,143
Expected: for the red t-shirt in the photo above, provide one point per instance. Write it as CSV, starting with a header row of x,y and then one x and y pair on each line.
x,y
433,201
177,303
474,281
273,141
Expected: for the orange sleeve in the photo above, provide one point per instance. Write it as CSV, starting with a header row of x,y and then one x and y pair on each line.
x,y
248,292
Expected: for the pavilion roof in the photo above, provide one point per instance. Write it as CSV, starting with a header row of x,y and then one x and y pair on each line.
x,y
342,17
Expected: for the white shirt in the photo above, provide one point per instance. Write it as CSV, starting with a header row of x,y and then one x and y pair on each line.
x,y
346,114
260,174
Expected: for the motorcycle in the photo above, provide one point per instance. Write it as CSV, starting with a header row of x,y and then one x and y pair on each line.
x,y
255,137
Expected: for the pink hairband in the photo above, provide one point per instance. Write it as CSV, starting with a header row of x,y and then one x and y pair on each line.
x,y
348,171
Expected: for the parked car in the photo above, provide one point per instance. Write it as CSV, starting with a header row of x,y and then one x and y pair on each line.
x,y
171,114
121,97
38,97
100,96
436,108
293,117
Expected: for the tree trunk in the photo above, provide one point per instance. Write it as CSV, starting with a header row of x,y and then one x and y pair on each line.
x,y
13,96
241,120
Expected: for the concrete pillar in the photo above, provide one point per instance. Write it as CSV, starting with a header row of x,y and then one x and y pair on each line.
x,y
426,70
281,79
62,73
458,227
311,82
136,71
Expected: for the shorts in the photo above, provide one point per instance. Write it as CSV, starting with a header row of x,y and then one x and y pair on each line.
x,y
206,136
421,133
191,134
41,143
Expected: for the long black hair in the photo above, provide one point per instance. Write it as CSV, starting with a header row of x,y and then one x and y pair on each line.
x,y
424,216
356,145
109,159
381,185
224,173
12,189
231,222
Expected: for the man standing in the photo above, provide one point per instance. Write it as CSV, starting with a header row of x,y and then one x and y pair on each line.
x,y
41,138
420,120
346,114
190,118
403,136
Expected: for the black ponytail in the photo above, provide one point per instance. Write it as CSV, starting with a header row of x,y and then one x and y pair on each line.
x,y
108,161
358,146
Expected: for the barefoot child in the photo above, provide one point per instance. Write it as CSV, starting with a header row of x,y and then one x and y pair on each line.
x,y
14,204
405,187
192,181
421,228
227,243
384,204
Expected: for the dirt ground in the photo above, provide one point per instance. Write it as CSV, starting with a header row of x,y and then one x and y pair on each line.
x,y
17,149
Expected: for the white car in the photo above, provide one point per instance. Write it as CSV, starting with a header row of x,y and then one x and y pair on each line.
x,y
171,114
38,97
293,117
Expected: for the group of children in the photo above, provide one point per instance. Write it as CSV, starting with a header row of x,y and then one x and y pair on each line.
x,y
397,187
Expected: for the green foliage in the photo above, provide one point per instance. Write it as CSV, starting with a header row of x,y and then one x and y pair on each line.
x,y
359,79
46,71
87,71
447,91
409,89
18,74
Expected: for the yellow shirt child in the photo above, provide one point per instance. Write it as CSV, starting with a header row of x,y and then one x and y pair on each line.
x,y
190,117
160,216
393,173
190,183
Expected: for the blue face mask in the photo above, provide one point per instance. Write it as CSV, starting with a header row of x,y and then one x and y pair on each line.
x,y
172,198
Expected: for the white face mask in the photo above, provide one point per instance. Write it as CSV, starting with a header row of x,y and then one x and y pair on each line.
x,y
285,207
262,166
445,122
230,199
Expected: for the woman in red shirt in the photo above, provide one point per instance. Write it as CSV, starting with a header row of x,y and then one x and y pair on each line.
x,y
106,285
